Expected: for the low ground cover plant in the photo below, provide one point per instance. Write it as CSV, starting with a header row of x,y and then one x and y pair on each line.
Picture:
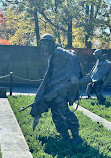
x,y
99,109
46,142
0,154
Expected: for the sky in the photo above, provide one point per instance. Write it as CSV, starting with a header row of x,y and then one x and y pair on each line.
x,y
0,5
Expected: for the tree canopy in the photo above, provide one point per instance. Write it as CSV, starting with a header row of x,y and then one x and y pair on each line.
x,y
4,42
74,23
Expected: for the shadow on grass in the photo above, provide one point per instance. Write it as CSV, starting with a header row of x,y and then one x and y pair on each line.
x,y
107,104
62,149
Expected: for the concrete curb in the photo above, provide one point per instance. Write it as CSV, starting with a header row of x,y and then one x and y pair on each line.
x,y
94,117
13,144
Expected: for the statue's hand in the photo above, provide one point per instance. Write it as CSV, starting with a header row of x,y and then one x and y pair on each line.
x,y
74,80
85,80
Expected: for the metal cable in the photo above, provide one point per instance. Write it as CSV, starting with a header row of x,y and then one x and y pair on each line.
x,y
5,76
20,78
27,79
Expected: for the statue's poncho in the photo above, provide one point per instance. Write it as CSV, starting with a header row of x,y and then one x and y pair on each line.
x,y
100,70
62,66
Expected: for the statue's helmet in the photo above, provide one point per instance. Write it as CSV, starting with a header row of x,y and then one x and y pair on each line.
x,y
47,37
98,53
48,46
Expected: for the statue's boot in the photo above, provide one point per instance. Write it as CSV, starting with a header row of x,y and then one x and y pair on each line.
x,y
101,99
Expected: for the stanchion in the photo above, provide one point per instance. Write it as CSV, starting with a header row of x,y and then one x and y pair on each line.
x,y
11,82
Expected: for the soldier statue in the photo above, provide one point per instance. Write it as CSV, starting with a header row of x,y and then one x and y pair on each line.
x,y
101,75
59,88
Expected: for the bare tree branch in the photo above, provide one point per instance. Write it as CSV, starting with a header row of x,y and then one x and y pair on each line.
x,y
56,26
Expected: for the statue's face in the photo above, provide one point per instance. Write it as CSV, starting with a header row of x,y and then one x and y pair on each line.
x,y
101,57
45,45
104,56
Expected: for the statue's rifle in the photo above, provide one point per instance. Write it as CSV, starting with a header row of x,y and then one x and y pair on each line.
x,y
65,85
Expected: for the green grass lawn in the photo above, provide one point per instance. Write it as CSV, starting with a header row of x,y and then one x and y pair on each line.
x,y
45,142
0,154
101,110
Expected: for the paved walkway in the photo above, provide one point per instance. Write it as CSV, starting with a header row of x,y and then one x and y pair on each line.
x,y
33,91
13,144
94,117
22,90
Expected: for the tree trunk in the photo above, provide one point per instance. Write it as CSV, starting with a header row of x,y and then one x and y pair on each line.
x,y
36,26
88,28
57,30
88,44
69,36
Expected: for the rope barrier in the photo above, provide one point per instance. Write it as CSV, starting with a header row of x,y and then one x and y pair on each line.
x,y
21,78
5,76
27,79
11,80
